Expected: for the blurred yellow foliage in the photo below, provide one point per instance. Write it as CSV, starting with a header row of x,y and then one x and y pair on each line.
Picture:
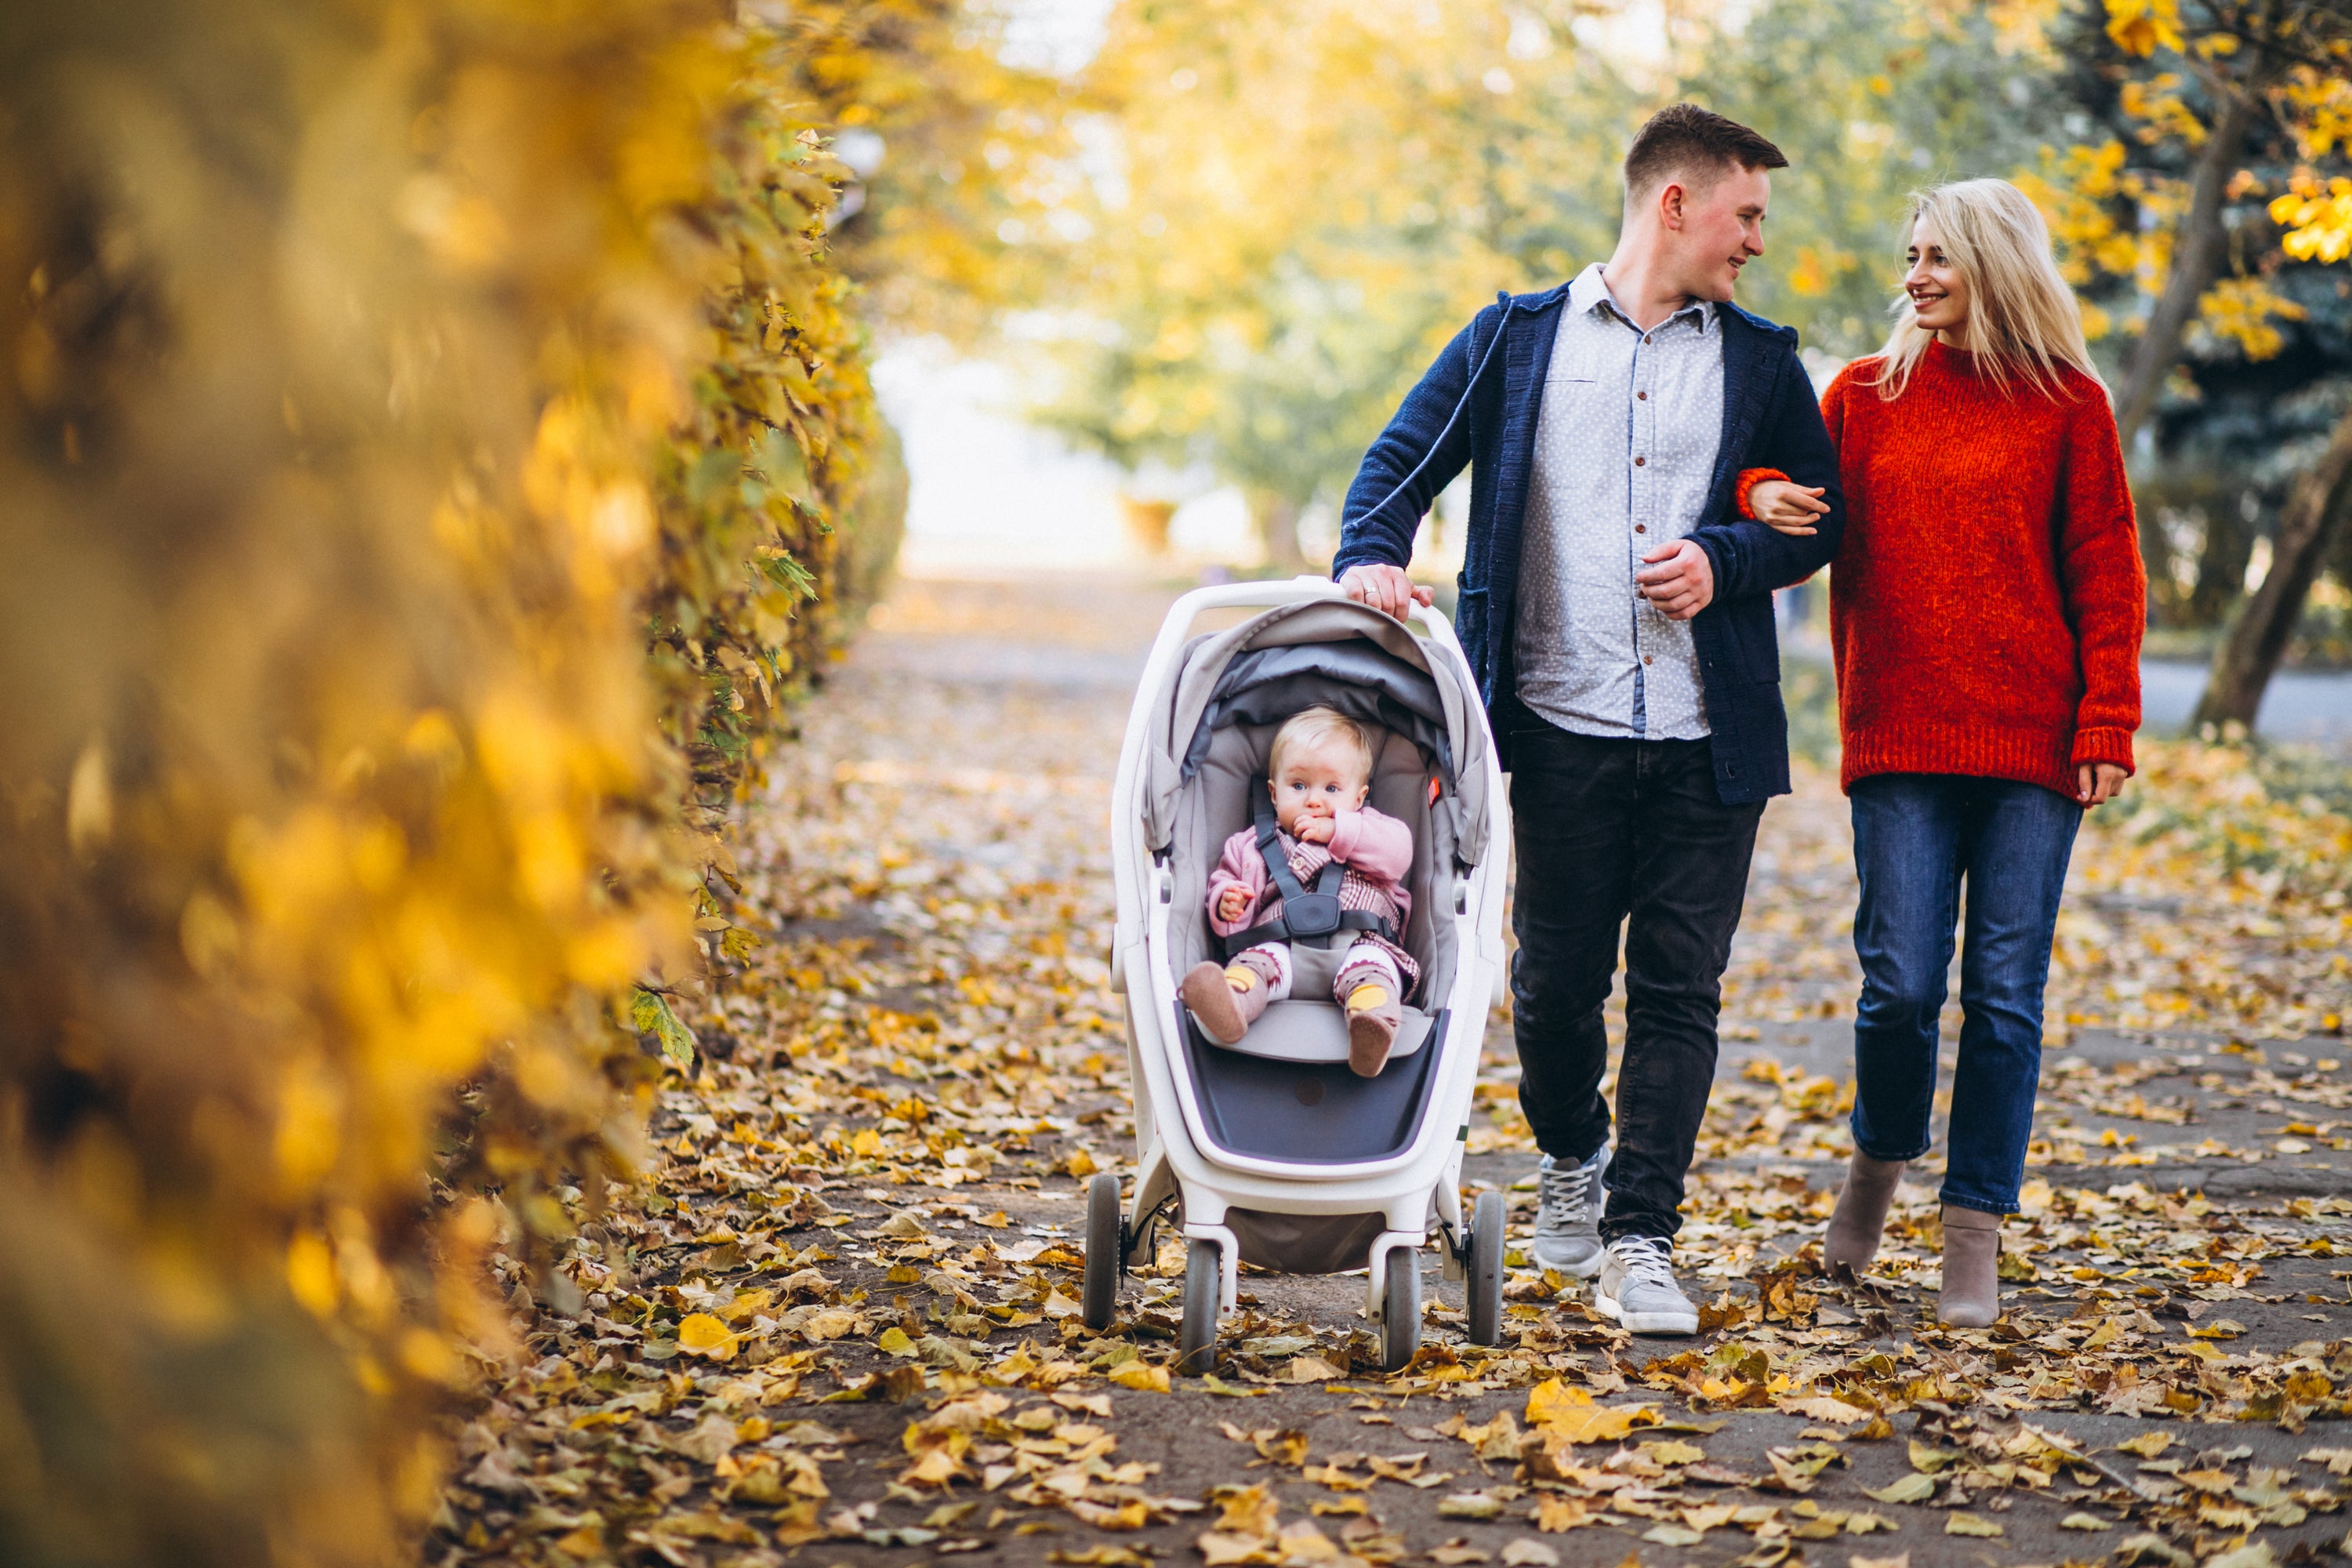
x,y
2158,101
2116,209
2242,309
382,381
2077,192
962,144
2317,219
2143,27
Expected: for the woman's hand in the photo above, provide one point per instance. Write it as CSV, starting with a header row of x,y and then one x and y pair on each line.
x,y
1788,508
2097,782
1233,904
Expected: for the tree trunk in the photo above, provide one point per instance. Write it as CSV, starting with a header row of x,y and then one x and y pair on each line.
x,y
2165,604
2196,260
2222,565
2339,560
2313,513
1276,518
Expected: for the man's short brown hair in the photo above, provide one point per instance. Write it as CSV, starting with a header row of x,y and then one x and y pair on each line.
x,y
1699,144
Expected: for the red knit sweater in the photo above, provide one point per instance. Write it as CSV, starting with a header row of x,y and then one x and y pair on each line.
x,y
1987,604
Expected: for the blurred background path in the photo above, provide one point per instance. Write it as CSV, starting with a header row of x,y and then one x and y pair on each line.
x,y
992,495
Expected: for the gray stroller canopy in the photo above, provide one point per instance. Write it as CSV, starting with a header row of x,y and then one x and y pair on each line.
x,y
1354,678
1342,655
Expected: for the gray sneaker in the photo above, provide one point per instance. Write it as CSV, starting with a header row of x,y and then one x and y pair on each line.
x,y
1568,1216
1637,1287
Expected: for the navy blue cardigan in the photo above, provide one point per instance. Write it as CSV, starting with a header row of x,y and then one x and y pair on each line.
x,y
1771,420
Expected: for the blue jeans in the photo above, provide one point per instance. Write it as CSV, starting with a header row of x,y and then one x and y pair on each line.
x,y
1917,837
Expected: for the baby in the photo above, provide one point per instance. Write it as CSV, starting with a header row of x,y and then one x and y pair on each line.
x,y
1320,775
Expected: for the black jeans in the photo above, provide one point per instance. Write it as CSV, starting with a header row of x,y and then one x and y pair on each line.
x,y
1608,829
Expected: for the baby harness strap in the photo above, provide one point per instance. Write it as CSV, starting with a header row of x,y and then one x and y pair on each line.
x,y
1308,918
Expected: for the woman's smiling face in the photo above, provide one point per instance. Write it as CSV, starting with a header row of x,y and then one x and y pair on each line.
x,y
1939,292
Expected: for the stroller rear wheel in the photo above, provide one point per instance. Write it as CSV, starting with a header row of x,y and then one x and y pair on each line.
x,y
1205,1284
1484,1268
1104,1243
1400,1310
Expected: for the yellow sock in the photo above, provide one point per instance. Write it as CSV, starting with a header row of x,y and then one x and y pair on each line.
x,y
1364,998
1240,977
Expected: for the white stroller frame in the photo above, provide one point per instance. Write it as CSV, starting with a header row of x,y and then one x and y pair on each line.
x,y
1413,1188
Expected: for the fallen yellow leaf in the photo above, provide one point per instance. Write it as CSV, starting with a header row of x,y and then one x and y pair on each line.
x,y
1550,1395
1248,1511
1824,1408
1142,1376
701,1334
1596,1423
1913,1487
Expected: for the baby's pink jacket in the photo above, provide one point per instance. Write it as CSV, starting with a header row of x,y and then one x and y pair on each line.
x,y
1375,847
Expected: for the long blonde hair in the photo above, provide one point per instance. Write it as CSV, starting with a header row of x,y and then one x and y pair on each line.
x,y
2022,320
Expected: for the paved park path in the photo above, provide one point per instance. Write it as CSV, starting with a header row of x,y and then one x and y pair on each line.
x,y
843,1331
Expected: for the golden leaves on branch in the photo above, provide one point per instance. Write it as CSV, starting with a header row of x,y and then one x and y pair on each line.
x,y
388,378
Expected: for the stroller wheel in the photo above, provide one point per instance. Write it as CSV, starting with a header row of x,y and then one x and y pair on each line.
x,y
1400,1310
1205,1283
1103,1246
1485,1270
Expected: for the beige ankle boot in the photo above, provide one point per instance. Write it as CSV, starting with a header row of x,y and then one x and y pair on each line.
x,y
1225,1002
1860,1218
1972,1298
1372,1020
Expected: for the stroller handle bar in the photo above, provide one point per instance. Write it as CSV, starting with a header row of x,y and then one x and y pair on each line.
x,y
1269,593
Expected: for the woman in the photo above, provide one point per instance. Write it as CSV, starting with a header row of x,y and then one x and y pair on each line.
x,y
1986,608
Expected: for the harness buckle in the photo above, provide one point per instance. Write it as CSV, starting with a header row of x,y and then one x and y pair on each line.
x,y
1311,914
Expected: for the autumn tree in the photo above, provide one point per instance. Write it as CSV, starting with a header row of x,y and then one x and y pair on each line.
x,y
959,145
2199,180
1305,199
430,439
1309,198
1870,101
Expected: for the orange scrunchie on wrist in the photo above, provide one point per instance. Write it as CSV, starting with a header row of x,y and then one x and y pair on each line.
x,y
1748,479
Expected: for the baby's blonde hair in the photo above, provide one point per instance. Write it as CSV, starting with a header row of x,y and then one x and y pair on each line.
x,y
1311,728
2023,323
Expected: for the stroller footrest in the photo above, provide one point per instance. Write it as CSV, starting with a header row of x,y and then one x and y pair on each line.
x,y
1318,1032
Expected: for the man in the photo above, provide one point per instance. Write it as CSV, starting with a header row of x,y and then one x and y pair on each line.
x,y
1618,613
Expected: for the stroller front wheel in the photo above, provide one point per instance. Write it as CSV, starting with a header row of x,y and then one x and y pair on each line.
x,y
1400,1310
1104,1244
1205,1284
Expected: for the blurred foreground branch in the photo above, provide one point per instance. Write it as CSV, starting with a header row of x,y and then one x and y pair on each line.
x,y
385,379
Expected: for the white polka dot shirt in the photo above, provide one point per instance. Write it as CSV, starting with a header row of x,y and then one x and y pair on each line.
x,y
1626,447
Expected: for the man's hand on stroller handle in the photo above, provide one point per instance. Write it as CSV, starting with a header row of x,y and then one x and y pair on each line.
x,y
1385,588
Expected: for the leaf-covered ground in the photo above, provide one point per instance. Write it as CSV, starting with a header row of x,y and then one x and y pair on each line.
x,y
839,1324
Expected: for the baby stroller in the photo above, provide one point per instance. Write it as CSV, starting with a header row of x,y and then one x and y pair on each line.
x,y
1273,1150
